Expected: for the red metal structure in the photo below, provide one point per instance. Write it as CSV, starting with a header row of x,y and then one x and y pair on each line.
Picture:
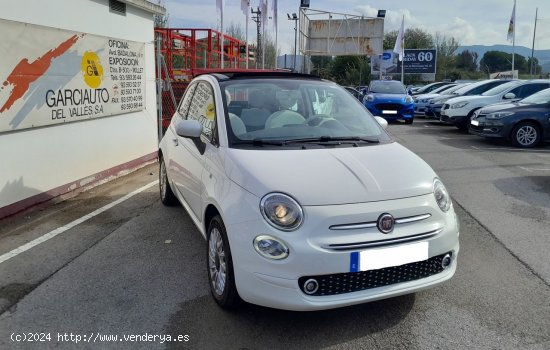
x,y
190,52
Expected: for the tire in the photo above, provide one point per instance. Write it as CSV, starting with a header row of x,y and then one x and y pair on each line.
x,y
219,264
465,124
526,135
167,197
409,121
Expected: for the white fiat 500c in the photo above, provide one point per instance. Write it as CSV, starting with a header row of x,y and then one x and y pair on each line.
x,y
305,201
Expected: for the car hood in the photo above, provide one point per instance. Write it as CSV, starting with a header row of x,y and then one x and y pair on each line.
x,y
331,176
503,105
476,100
389,97
426,96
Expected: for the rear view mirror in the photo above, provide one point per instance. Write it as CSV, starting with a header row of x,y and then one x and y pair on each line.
x,y
509,96
189,128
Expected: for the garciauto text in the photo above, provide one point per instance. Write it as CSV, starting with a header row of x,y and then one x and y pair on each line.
x,y
97,338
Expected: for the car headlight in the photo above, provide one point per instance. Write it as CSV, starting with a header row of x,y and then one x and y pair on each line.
x,y
441,195
408,99
369,98
459,105
498,115
281,211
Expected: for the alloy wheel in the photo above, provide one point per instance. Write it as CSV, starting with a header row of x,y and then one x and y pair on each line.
x,y
217,265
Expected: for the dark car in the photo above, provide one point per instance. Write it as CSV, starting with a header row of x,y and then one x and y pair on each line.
x,y
389,100
526,123
355,92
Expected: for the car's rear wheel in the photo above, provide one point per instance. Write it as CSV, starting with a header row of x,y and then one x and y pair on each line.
x,y
220,266
526,135
167,197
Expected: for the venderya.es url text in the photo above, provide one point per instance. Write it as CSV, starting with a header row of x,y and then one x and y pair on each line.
x,y
76,338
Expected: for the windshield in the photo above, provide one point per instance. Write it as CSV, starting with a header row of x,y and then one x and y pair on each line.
x,y
442,88
387,87
453,89
279,110
539,98
500,88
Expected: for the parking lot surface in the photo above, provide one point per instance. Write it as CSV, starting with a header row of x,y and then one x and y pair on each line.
x,y
137,270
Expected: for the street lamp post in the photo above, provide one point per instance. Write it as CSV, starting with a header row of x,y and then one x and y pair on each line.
x,y
294,18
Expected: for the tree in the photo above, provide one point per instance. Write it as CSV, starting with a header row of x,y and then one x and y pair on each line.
x,y
415,38
498,61
466,60
446,47
235,31
321,66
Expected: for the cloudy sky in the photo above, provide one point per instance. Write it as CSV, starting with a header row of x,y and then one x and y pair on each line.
x,y
471,22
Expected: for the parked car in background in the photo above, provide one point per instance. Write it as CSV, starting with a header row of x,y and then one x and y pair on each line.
x,y
427,102
304,199
389,100
422,100
526,123
459,110
430,87
434,108
356,93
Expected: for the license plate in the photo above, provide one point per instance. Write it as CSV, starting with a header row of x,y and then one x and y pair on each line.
x,y
374,259
389,112
474,123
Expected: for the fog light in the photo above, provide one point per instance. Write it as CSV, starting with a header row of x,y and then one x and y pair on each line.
x,y
270,247
446,261
311,286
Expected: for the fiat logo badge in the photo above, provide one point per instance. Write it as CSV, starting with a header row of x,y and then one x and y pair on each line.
x,y
385,223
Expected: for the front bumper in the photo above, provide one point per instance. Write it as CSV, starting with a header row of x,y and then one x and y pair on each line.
x,y
276,283
492,129
391,111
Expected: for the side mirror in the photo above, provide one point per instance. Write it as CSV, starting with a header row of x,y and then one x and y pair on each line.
x,y
509,96
383,122
189,128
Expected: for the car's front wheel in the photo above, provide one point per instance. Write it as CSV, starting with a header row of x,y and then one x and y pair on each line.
x,y
409,121
526,135
167,197
220,265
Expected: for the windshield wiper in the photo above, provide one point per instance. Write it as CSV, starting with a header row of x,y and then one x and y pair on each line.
x,y
332,140
259,142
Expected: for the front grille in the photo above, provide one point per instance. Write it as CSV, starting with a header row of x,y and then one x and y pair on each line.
x,y
388,106
342,283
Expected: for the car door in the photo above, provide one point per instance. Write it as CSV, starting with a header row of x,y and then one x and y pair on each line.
x,y
189,158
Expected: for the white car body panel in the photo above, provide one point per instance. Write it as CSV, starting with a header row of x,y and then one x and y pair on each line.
x,y
335,186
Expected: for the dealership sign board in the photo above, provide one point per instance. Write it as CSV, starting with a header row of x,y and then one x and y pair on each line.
x,y
52,76
416,62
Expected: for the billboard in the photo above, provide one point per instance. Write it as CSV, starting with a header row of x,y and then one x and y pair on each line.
x,y
52,76
325,33
416,62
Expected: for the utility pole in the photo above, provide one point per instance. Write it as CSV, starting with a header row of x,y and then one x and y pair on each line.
x,y
257,17
533,47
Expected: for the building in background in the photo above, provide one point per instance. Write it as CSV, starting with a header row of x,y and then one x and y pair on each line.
x,y
77,95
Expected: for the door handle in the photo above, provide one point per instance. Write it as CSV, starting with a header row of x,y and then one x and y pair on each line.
x,y
175,142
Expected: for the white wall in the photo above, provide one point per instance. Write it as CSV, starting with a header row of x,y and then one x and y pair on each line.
x,y
33,161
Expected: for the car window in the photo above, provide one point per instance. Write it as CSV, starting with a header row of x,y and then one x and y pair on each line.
x,y
540,97
287,109
186,101
500,88
387,87
203,109
529,89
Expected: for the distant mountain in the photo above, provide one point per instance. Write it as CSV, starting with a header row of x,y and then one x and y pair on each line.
x,y
542,55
